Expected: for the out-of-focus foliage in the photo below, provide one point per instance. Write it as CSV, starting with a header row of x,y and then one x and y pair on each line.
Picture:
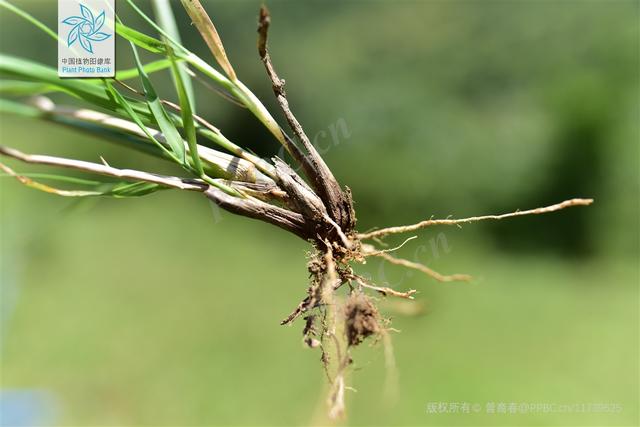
x,y
422,108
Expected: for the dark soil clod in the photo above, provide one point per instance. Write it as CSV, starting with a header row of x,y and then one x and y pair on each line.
x,y
361,319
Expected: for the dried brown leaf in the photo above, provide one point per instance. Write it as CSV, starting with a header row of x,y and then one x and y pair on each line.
x,y
205,26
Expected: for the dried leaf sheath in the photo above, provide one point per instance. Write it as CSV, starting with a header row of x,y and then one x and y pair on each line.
x,y
338,204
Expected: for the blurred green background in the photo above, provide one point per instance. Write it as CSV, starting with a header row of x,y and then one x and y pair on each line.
x,y
164,311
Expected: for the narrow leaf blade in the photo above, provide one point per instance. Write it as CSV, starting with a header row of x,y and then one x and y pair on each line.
x,y
134,116
209,33
139,39
167,21
160,114
187,115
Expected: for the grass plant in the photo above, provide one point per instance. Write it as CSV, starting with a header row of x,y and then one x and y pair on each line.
x,y
337,313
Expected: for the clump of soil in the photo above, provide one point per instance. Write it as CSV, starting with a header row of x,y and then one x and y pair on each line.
x,y
361,318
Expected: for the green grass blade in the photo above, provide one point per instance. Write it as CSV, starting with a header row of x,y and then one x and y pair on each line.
x,y
94,94
119,189
150,145
134,116
24,68
132,189
187,114
29,18
150,68
169,37
236,87
139,39
8,106
19,87
166,18
156,46
26,181
160,114
215,164
184,53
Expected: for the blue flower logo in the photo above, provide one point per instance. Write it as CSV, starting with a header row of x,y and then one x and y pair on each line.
x,y
86,29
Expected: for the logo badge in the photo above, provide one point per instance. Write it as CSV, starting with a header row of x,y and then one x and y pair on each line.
x,y
86,31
